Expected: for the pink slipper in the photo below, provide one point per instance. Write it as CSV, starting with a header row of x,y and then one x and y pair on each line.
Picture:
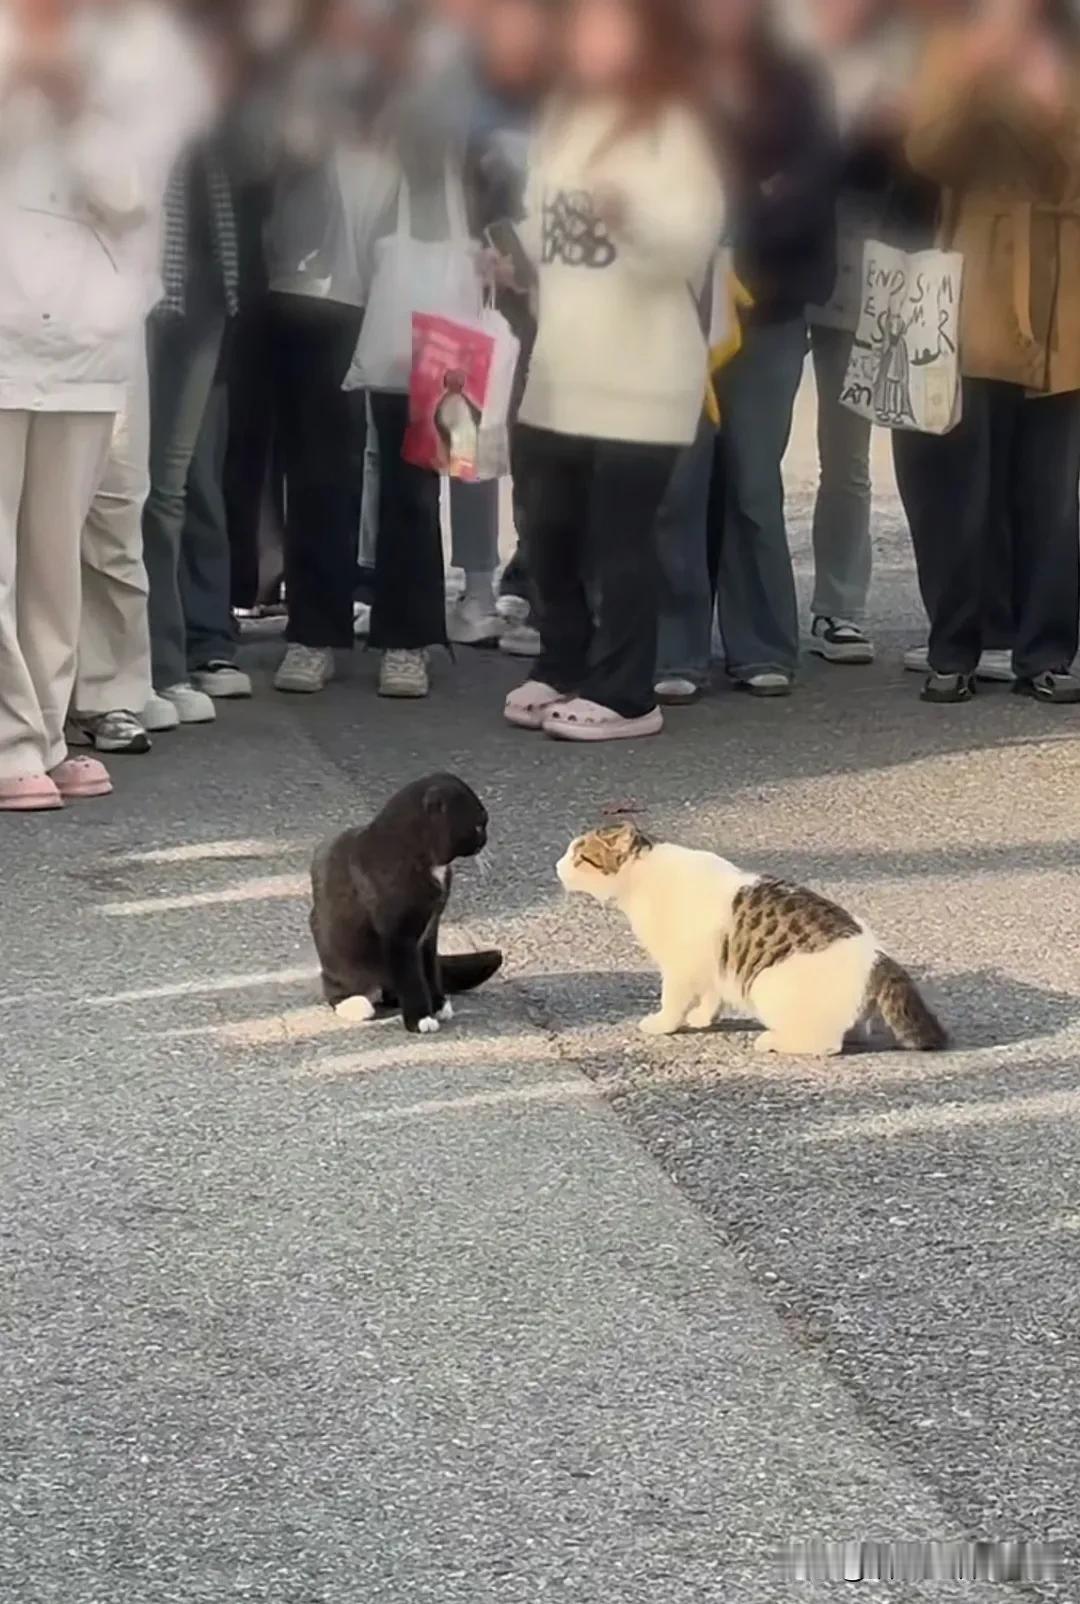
x,y
582,720
527,706
80,777
29,793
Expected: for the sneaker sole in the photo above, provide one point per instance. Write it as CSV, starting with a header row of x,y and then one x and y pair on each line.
x,y
85,739
848,655
1026,688
763,692
218,695
393,695
292,688
487,643
938,699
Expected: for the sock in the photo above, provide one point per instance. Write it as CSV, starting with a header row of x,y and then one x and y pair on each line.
x,y
480,587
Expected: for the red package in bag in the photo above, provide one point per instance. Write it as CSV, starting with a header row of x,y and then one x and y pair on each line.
x,y
448,393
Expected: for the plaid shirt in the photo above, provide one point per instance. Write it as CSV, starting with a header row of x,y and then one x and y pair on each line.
x,y
198,163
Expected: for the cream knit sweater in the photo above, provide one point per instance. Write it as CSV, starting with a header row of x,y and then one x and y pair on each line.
x,y
620,353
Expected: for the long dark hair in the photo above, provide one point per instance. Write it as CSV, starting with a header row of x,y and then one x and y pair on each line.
x,y
668,70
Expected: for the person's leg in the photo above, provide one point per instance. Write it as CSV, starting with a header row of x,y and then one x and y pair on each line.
x,y
23,744
686,599
756,585
841,528
1046,525
113,686
474,535
66,455
554,478
183,355
251,427
944,484
409,612
314,342
205,560
629,483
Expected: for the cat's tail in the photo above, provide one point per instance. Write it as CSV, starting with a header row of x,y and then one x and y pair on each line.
x,y
465,971
900,1003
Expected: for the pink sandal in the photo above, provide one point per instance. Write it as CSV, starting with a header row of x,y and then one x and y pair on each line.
x,y
80,777
29,793
527,706
582,720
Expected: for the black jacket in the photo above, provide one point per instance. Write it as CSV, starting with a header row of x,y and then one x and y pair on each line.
x,y
785,170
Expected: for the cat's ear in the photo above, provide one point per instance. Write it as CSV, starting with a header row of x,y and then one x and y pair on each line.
x,y
611,849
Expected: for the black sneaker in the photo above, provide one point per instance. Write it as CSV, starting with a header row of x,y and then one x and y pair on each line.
x,y
1056,685
948,687
838,640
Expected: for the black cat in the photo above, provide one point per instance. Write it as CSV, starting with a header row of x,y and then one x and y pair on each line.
x,y
379,894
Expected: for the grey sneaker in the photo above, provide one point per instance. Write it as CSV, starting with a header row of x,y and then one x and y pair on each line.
x,y
404,674
305,670
1055,685
108,732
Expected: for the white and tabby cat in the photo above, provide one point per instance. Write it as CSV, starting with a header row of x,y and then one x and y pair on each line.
x,y
728,940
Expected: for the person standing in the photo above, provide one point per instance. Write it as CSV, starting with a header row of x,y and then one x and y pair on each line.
x,y
995,122
773,114
70,194
185,338
160,77
867,48
624,206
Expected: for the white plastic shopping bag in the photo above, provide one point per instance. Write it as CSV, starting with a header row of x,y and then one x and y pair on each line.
x,y
410,276
904,371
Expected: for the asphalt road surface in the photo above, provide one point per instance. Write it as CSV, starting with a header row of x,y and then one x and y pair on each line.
x,y
536,1308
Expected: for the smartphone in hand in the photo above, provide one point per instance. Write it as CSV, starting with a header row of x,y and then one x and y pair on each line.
x,y
502,238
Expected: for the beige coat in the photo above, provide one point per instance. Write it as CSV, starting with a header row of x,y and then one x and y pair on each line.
x,y
1011,205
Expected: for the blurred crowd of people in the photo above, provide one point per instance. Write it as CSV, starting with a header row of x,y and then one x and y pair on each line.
x,y
192,199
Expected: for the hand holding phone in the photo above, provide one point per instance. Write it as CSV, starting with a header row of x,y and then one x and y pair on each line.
x,y
513,269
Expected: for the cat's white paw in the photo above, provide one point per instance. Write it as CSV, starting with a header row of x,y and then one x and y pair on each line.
x,y
703,1017
658,1025
446,1012
428,1027
356,1010
767,1042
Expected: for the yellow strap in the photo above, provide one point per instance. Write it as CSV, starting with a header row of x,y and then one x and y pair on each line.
x,y
720,355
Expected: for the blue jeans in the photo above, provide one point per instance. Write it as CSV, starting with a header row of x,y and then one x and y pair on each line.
x,y
758,613
686,600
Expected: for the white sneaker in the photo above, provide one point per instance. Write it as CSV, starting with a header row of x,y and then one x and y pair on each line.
x,y
192,706
840,640
404,674
521,641
473,622
769,683
305,670
222,680
159,715
514,609
677,691
996,666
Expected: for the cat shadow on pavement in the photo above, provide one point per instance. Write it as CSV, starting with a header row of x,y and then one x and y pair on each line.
x,y
979,1008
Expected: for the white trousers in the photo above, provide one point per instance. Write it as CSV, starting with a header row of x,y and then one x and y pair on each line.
x,y
114,638
51,464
